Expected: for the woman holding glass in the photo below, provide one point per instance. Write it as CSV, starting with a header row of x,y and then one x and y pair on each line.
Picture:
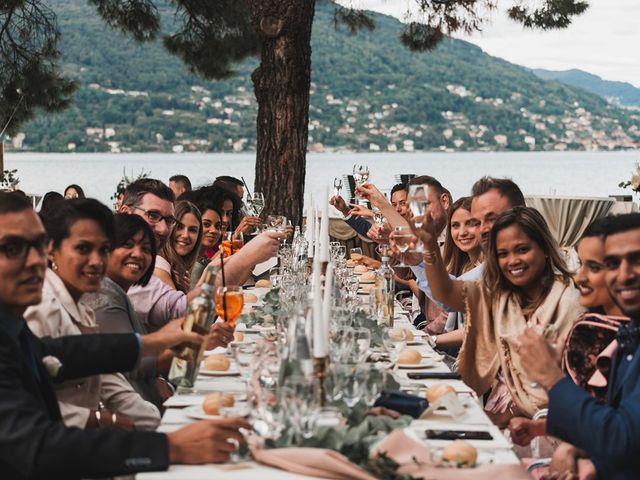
x,y
81,233
132,263
177,258
525,282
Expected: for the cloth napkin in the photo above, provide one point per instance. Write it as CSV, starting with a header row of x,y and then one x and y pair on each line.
x,y
315,462
414,459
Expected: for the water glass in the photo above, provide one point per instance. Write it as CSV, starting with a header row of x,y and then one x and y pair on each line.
x,y
353,386
394,340
355,254
301,398
361,344
327,417
243,356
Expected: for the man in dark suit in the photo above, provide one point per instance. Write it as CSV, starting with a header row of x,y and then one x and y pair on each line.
x,y
34,443
608,434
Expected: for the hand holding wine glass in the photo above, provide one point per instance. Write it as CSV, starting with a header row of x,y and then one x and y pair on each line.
x,y
371,193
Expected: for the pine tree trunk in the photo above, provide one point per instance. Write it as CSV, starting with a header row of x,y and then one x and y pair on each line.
x,y
282,83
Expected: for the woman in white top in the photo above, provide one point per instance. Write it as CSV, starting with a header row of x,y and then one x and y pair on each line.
x,y
175,261
81,231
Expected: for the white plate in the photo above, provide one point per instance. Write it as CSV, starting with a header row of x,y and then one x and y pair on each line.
x,y
219,373
196,412
423,364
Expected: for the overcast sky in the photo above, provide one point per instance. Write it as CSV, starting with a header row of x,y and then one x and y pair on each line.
x,y
605,40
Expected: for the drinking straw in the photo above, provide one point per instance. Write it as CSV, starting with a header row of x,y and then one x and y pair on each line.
x,y
224,284
247,187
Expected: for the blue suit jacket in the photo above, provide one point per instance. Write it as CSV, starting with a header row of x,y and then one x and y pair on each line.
x,y
609,433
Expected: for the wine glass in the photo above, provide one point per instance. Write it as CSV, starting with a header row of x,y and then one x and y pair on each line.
x,y
232,243
394,340
243,356
418,198
257,203
378,217
355,254
341,252
352,284
360,176
275,276
402,236
276,223
229,303
353,387
361,344
337,186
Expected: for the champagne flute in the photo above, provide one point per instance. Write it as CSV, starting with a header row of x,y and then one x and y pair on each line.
x,y
402,236
418,198
337,186
360,176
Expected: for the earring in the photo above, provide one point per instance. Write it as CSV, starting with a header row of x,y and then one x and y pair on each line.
x,y
54,266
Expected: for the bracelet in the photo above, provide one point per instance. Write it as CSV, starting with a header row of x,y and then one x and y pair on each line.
x,y
429,257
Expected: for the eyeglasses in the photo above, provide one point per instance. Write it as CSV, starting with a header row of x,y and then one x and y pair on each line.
x,y
17,248
156,217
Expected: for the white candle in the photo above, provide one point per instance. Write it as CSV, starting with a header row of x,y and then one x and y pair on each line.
x,y
311,228
326,304
319,338
324,229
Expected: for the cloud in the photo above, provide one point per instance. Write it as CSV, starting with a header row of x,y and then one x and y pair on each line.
x,y
604,40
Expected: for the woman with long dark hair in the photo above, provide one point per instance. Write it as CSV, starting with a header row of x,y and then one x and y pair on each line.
x,y
175,261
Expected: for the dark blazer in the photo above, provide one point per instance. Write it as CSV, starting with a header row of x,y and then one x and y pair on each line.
x,y
609,433
34,443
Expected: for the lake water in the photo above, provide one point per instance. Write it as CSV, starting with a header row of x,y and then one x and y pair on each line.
x,y
589,174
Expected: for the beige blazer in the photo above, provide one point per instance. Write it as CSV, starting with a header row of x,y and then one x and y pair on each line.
x,y
59,315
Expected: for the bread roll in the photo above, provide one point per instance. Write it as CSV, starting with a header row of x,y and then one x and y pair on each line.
x,y
368,277
409,356
238,337
396,333
264,284
358,269
250,298
351,263
216,400
436,391
410,336
461,453
218,363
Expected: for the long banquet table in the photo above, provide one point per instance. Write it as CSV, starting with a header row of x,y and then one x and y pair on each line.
x,y
496,451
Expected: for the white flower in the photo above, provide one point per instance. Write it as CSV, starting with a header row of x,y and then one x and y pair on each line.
x,y
52,365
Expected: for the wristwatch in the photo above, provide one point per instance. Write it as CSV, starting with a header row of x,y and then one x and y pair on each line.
x,y
432,340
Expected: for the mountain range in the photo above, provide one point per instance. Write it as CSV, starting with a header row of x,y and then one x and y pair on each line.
x,y
369,93
620,93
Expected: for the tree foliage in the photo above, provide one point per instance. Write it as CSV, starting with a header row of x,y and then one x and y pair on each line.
x,y
30,78
211,37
